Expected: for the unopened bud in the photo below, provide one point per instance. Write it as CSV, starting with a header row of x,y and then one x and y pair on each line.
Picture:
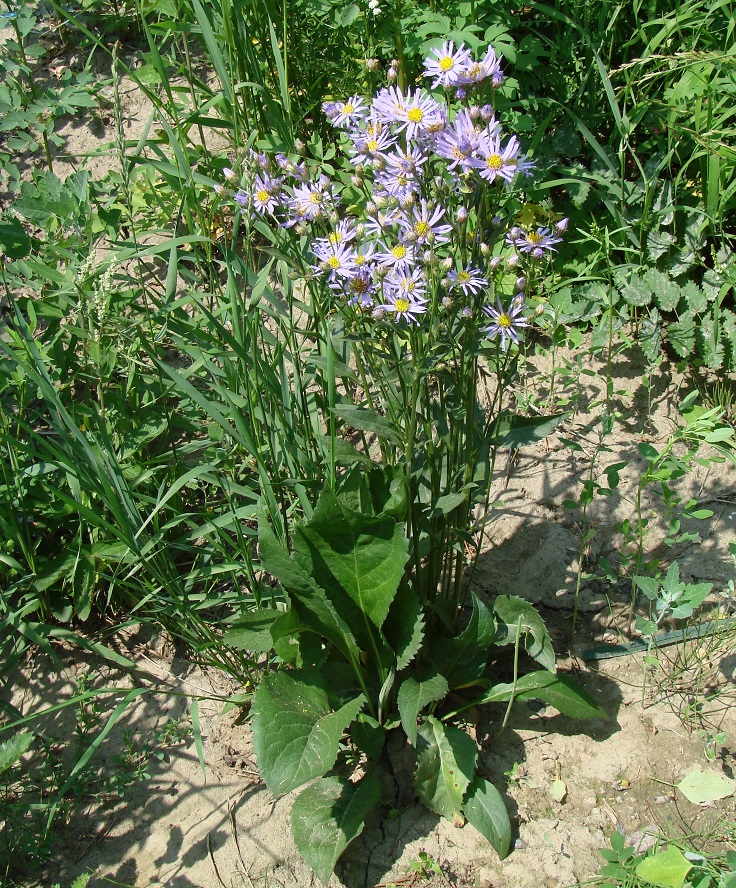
x,y
520,283
460,93
377,314
395,65
299,146
537,253
467,312
497,80
357,181
446,302
512,261
496,222
475,112
230,175
495,262
407,201
219,190
486,112
515,232
462,215
373,65
447,263
561,226
300,229
485,250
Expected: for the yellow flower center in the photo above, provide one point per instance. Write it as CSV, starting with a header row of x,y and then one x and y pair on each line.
x,y
463,277
372,145
402,305
445,63
416,115
504,320
347,108
315,197
333,262
534,238
262,196
399,251
335,237
422,229
474,71
408,284
494,162
360,260
359,285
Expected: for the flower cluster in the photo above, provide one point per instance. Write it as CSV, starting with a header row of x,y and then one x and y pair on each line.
x,y
416,160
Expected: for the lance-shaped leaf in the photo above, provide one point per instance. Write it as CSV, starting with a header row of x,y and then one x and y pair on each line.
x,y
310,601
414,696
462,660
509,430
559,691
327,816
252,631
11,750
516,615
404,626
295,733
486,811
362,554
445,766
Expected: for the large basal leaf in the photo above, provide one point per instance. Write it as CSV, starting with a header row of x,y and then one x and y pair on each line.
x,y
295,733
516,614
559,691
327,816
252,631
365,555
414,696
445,766
486,811
308,599
509,430
462,659
404,626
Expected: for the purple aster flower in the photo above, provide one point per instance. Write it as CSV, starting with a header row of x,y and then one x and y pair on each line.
x,y
531,241
338,260
344,233
412,284
447,63
414,113
421,226
404,306
312,200
399,257
469,280
505,323
347,114
264,194
476,72
372,142
497,162
359,289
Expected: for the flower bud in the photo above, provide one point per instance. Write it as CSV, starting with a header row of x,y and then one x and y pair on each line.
x,y
561,226
512,261
395,65
485,249
520,283
537,253
496,222
370,208
229,174
407,201
475,112
486,112
373,65
377,314
300,146
357,181
428,257
462,215
447,263
515,232
241,199
497,80
467,312
460,93
301,229
495,262
391,75
219,190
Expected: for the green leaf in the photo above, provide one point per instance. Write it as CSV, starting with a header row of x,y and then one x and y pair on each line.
x,y
11,750
308,599
462,659
14,242
364,555
516,614
445,766
667,868
666,291
252,631
649,586
636,291
327,816
368,421
509,430
404,626
700,787
486,811
559,691
295,733
681,335
414,696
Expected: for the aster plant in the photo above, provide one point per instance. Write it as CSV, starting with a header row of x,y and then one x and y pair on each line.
x,y
421,265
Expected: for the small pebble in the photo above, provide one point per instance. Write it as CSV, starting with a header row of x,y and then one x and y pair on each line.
x,y
519,845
